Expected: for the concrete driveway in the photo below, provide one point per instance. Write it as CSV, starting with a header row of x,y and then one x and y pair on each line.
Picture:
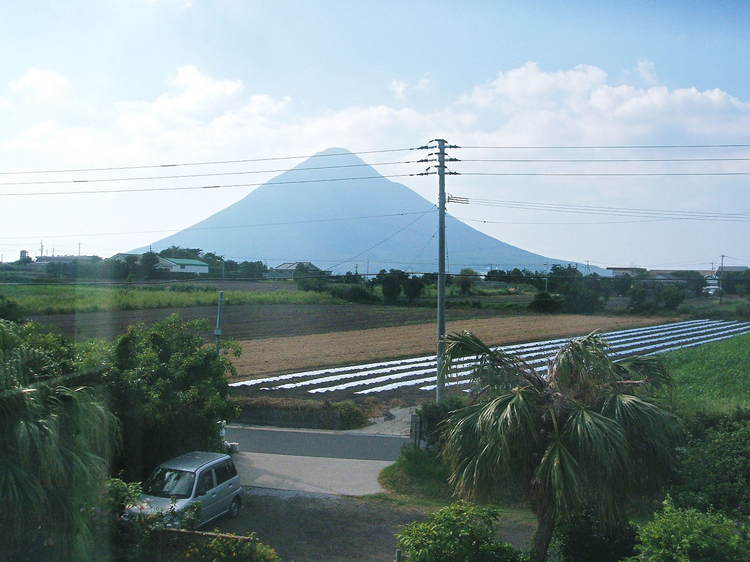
x,y
326,462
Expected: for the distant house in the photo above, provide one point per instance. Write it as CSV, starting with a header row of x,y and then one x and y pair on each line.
x,y
286,270
632,271
182,265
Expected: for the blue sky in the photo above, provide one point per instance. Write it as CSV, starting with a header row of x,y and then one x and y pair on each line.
x,y
121,82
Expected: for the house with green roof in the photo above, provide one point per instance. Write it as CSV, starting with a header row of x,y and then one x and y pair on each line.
x,y
182,265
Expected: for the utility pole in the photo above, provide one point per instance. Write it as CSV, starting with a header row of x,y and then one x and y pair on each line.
x,y
441,173
721,275
217,331
440,390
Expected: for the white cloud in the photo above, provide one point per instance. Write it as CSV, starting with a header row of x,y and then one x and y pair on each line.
x,y
400,88
201,117
647,71
41,85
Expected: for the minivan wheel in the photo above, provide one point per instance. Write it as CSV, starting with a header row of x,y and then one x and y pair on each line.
x,y
234,509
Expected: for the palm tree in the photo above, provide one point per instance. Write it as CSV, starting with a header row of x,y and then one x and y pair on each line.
x,y
586,434
54,443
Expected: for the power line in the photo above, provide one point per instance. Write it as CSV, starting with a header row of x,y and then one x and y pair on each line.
x,y
197,187
527,160
613,146
604,174
614,211
204,163
243,172
306,221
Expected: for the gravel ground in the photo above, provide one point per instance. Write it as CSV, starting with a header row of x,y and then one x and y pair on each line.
x,y
313,527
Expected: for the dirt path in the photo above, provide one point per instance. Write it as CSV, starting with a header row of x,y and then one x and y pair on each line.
x,y
289,354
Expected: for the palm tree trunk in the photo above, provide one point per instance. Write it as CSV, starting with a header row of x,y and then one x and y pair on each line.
x,y
542,536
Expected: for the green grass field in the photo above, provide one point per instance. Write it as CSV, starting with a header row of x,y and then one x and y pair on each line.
x,y
61,299
713,378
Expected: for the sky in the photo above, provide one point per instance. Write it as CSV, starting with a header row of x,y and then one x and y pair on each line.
x,y
119,83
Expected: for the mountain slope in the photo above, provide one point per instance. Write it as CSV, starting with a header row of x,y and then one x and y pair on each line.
x,y
293,222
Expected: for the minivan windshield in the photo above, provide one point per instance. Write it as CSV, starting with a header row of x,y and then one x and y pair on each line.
x,y
169,483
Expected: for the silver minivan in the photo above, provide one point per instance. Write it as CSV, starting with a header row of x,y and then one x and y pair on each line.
x,y
208,478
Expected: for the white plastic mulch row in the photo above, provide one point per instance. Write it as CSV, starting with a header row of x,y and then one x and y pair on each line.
x,y
623,342
348,372
396,380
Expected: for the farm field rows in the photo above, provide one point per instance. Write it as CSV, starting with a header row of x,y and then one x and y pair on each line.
x,y
256,321
417,374
288,354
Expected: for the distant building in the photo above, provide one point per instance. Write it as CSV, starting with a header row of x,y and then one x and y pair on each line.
x,y
632,271
286,270
182,265
731,269
66,259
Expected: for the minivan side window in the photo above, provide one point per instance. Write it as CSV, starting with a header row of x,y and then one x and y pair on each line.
x,y
205,482
225,471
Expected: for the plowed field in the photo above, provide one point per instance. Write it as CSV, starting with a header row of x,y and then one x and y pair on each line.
x,y
288,354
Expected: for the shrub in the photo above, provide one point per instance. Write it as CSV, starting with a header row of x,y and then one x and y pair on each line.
x,y
352,416
433,414
582,300
544,302
354,293
226,548
10,310
418,472
688,535
714,469
584,538
460,532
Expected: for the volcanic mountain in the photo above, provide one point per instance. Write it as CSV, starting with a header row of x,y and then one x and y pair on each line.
x,y
342,225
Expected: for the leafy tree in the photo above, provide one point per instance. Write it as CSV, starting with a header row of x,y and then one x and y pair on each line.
x,y
544,302
695,282
460,532
466,280
584,435
169,390
253,269
309,278
413,288
562,277
55,441
148,263
621,284
653,296
688,535
582,299
391,282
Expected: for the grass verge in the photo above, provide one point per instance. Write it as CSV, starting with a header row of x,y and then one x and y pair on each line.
x,y
419,479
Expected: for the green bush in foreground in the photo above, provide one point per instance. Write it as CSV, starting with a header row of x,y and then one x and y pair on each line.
x,y
688,535
352,416
460,532
221,549
714,469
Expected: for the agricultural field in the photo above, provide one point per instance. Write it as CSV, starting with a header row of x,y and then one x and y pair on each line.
x,y
411,376
256,321
38,299
288,354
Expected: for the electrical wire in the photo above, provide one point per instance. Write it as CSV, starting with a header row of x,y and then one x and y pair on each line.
x,y
191,228
604,174
197,187
612,147
527,160
204,163
243,172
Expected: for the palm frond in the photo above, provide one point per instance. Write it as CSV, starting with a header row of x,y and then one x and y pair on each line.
x,y
493,369
581,367
598,442
559,477
651,370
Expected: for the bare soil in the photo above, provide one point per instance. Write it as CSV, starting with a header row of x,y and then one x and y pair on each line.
x,y
296,353
310,527
255,321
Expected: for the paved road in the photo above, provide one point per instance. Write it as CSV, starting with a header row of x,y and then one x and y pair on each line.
x,y
306,443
